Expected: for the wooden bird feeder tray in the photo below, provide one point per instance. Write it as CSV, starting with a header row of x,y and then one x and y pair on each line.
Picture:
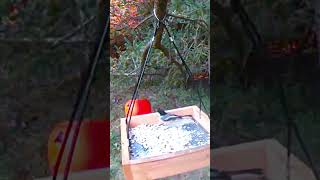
x,y
95,174
168,164
268,155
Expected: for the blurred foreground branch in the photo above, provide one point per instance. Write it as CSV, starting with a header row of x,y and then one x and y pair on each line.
x,y
43,41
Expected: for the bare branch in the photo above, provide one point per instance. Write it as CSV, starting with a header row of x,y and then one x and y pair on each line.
x,y
41,41
143,21
136,74
72,33
198,21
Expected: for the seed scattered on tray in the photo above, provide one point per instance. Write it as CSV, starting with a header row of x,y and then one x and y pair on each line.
x,y
147,140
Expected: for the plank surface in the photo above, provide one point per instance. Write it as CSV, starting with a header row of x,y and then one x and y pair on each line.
x,y
173,166
268,155
202,118
97,174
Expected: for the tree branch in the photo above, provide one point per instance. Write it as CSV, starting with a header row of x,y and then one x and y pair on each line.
x,y
160,10
143,21
136,74
198,21
73,32
42,41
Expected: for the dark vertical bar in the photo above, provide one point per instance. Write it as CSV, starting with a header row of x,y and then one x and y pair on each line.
x,y
211,86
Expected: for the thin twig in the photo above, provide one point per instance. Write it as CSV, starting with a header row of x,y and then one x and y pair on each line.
x,y
134,28
199,21
143,21
72,33
135,74
41,41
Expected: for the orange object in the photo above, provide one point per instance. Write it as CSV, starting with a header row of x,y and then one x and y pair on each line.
x,y
92,150
141,106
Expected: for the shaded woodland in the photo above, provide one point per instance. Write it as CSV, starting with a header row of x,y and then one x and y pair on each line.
x,y
44,47
259,46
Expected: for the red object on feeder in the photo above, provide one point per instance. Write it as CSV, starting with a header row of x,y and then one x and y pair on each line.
x,y
141,106
92,150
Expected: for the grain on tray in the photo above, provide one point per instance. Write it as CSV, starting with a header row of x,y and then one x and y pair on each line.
x,y
149,140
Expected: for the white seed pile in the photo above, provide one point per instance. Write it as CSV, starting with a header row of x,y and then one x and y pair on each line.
x,y
158,139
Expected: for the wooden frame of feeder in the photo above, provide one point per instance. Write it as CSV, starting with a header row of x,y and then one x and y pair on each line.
x,y
94,174
168,164
268,155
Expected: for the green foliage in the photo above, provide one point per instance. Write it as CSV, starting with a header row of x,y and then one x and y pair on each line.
x,y
159,94
192,9
256,113
115,154
40,19
275,21
4,8
39,84
192,41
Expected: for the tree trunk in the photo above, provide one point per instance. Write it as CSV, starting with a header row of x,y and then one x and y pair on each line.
x,y
161,10
160,7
